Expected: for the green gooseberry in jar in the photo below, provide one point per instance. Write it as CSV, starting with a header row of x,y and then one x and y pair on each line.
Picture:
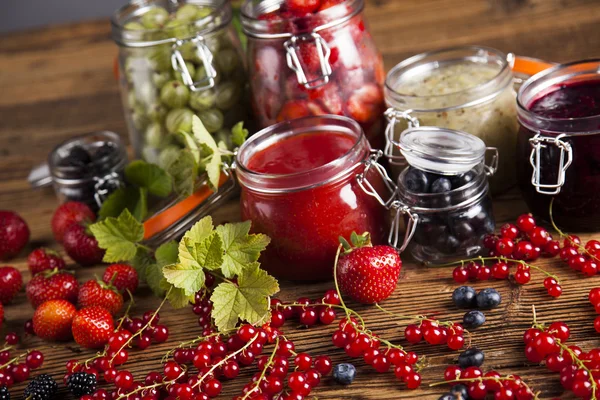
x,y
150,154
174,94
212,120
154,18
189,52
157,112
134,26
187,13
191,69
139,119
160,78
154,135
203,12
179,119
167,156
160,58
228,95
145,92
132,100
203,100
228,61
178,29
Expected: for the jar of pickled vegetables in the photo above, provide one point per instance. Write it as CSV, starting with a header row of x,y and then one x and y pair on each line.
x,y
178,58
468,89
558,153
313,58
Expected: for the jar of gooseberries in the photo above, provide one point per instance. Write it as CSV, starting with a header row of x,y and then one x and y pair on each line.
x,y
178,58
314,58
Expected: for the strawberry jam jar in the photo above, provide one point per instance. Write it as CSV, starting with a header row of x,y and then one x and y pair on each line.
x,y
559,144
314,57
299,186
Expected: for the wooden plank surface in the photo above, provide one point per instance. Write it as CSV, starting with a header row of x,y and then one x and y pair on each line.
x,y
57,82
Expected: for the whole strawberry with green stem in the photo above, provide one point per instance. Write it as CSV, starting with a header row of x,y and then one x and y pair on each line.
x,y
44,259
52,285
92,326
69,213
81,245
123,276
98,293
367,273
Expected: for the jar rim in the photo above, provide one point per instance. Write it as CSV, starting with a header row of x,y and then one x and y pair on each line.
x,y
552,77
475,95
327,173
220,16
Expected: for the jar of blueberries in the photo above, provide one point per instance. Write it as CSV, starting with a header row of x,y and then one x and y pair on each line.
x,y
445,191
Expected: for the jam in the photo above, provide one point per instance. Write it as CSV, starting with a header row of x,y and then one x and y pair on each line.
x,y
573,109
301,191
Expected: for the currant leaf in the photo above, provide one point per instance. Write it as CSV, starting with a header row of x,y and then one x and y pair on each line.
x,y
184,171
205,139
241,250
149,176
130,198
178,298
118,236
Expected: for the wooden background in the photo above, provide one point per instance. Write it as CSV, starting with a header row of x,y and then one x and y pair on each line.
x,y
58,82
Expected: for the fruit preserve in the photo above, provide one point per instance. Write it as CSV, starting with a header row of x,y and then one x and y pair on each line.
x,y
299,186
313,58
559,144
445,189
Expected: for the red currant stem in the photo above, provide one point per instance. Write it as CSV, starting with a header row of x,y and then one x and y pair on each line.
x,y
500,258
337,286
13,360
487,378
264,371
96,356
155,385
6,347
139,332
192,342
224,360
127,310
581,365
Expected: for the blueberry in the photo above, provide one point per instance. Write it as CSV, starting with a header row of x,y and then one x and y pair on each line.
x,y
441,185
77,157
447,244
464,297
460,391
472,357
416,181
462,230
105,150
473,319
461,180
488,299
447,396
344,373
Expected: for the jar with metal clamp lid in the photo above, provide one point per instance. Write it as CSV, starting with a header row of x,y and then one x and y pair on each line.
x,y
178,58
444,193
558,153
322,62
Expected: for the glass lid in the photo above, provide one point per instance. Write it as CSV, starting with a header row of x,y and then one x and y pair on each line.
x,y
440,150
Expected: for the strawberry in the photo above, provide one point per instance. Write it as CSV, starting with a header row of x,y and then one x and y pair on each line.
x,y
52,320
11,282
43,259
52,285
1,315
92,326
68,214
82,246
329,95
122,276
367,273
309,57
302,7
98,293
325,4
293,109
366,103
14,234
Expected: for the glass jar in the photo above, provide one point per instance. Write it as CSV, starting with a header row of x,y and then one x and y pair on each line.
x,y
445,193
178,58
321,63
468,89
301,185
559,144
85,168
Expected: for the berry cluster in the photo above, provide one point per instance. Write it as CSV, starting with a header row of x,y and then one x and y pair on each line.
x,y
594,298
436,333
13,369
308,312
581,258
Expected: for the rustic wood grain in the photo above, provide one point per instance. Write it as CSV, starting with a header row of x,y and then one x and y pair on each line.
x,y
57,82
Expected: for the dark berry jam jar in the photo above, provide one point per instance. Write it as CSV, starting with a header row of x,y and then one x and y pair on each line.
x,y
299,186
316,61
559,144
445,190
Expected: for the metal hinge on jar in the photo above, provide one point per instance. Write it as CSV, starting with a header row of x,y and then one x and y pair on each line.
x,y
293,49
105,185
538,142
393,117
204,54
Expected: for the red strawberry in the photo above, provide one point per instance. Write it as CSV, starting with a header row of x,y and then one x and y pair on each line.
x,y
43,259
367,273
52,320
98,293
122,276
366,103
329,95
325,4
11,282
82,246
302,7
14,234
293,109
1,315
52,285
68,214
92,326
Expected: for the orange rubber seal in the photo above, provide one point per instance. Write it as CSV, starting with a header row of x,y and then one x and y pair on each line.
x,y
161,221
530,66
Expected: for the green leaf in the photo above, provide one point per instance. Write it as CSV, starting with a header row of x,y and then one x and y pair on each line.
x,y
149,176
200,230
141,262
166,253
155,279
184,171
204,138
130,198
190,143
118,236
238,134
241,249
248,301
178,298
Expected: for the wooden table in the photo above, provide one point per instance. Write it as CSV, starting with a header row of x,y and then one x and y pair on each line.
x,y
58,82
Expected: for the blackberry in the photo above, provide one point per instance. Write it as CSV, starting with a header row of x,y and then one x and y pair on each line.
x,y
81,383
42,387
4,394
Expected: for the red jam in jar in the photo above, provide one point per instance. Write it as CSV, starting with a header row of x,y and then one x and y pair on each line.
x,y
559,112
299,187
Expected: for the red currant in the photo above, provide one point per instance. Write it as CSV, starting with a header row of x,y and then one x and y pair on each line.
x,y
246,332
590,268
331,297
339,339
452,372
323,365
309,316
327,316
552,248
231,370
509,231
555,291
567,252
489,241
212,387
500,270
412,380
460,275
526,223
576,262
172,370
545,344
11,338
522,276
124,380
559,330
572,241
456,342
477,390
381,363
34,359
160,333
313,377
484,273
539,236
413,334
505,247
303,361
